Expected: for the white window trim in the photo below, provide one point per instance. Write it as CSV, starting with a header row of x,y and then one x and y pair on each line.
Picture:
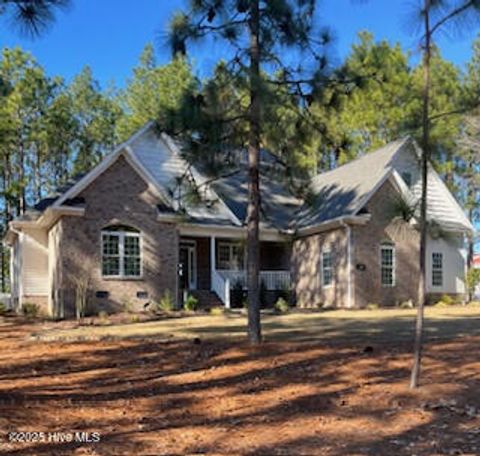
x,y
437,269
231,245
121,254
394,265
329,285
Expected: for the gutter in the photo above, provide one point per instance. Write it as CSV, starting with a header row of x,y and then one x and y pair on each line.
x,y
334,223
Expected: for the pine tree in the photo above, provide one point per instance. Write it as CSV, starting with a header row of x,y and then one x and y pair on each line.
x,y
435,15
259,33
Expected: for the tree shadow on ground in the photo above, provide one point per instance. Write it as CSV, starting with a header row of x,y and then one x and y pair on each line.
x,y
225,397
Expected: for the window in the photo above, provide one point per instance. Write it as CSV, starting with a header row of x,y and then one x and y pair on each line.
x,y
229,256
407,177
387,265
327,268
437,269
121,256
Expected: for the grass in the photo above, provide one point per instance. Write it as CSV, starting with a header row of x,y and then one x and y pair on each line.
x,y
377,324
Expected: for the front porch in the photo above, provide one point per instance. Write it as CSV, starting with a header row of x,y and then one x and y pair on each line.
x,y
217,264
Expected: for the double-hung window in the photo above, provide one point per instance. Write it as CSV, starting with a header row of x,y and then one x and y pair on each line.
x,y
437,269
387,265
121,252
229,256
327,268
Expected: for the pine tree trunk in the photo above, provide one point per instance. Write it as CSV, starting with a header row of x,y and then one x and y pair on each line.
x,y
423,206
253,210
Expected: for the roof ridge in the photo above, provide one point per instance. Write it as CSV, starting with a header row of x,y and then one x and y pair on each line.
x,y
401,142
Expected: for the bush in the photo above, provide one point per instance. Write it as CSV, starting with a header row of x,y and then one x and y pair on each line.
x,y
127,305
30,309
216,311
448,300
406,304
472,280
282,306
372,306
3,308
190,303
166,303
134,318
102,315
103,318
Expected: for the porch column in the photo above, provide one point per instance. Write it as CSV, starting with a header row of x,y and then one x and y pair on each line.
x,y
212,260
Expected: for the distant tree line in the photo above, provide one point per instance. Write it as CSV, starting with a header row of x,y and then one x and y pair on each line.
x,y
52,129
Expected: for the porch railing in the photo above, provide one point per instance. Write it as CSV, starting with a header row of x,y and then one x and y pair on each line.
x,y
221,286
272,280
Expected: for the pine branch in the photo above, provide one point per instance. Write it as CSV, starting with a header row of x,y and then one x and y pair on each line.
x,y
454,13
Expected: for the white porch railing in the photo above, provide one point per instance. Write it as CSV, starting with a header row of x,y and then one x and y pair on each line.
x,y
272,280
221,286
223,280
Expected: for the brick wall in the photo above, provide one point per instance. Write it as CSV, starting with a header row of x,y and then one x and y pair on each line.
x,y
306,270
118,197
366,242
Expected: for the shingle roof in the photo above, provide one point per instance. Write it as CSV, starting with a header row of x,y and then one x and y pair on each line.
x,y
343,191
278,204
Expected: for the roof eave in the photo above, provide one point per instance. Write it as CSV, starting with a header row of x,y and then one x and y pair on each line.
x,y
334,223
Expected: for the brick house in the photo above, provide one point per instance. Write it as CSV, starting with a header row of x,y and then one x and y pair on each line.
x,y
126,228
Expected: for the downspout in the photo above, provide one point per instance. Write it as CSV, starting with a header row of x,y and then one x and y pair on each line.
x,y
348,231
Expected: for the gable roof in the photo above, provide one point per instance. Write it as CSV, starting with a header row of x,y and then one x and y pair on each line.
x,y
278,204
336,194
345,190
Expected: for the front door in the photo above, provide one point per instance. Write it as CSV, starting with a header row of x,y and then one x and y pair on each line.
x,y
188,265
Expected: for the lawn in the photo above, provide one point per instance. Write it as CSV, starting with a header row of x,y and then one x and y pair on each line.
x,y
330,383
338,325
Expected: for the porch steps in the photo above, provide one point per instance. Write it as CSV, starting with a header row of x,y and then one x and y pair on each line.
x,y
207,299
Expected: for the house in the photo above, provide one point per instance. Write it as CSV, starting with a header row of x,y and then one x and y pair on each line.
x,y
125,228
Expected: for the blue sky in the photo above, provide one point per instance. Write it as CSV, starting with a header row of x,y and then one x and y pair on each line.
x,y
109,35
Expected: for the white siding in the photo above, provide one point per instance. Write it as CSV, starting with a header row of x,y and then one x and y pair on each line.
x,y
442,206
454,262
34,263
15,268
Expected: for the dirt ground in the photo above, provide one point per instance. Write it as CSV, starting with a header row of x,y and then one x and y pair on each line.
x,y
219,396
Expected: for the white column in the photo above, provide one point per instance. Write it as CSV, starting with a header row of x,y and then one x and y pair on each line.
x,y
212,260
227,293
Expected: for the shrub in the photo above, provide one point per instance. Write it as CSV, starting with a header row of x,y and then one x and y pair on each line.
x,y
166,303
3,308
134,319
472,280
282,306
263,294
103,315
216,311
237,295
190,303
127,305
30,309
448,300
372,306
406,304
82,288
